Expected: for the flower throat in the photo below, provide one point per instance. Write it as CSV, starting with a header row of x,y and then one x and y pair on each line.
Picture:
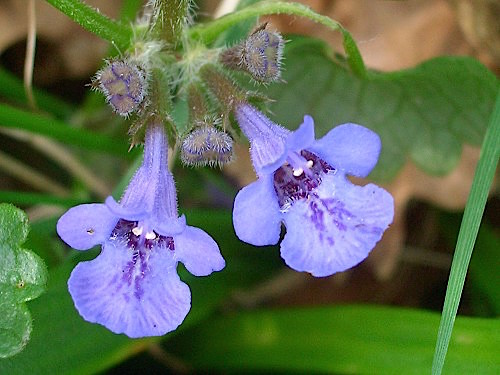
x,y
291,186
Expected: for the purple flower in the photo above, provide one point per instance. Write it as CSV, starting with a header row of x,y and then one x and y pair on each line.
x,y
132,287
331,224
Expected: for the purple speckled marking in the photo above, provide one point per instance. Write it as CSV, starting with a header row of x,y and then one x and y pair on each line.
x,y
141,247
290,188
337,209
317,215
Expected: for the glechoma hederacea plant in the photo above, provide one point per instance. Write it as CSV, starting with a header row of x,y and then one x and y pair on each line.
x,y
132,287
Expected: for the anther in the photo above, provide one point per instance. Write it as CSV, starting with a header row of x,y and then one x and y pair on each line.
x,y
137,231
150,235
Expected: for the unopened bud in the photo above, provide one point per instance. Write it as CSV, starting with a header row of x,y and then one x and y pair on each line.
x,y
260,55
124,84
206,145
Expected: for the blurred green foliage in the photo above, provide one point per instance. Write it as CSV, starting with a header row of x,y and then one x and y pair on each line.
x,y
340,340
424,114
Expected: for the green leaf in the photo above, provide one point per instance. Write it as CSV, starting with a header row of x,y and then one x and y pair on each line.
x,y
12,88
23,277
340,339
11,117
424,113
28,199
79,347
95,22
129,10
483,179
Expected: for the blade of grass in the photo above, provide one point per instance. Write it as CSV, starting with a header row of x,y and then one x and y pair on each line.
x,y
469,228
19,198
11,117
95,22
29,59
30,176
11,87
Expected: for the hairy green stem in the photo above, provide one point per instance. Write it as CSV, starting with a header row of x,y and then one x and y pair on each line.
x,y
207,33
95,22
169,19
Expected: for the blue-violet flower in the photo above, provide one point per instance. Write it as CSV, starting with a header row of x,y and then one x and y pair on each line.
x,y
331,224
132,287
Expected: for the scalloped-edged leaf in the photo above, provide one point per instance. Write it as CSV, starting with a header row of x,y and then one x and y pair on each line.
x,y
423,114
23,277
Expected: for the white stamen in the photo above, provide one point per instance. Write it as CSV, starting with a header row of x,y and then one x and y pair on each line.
x,y
150,235
297,172
137,231
309,164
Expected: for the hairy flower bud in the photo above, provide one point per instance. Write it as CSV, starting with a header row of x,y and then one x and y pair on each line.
x,y
259,55
124,84
206,145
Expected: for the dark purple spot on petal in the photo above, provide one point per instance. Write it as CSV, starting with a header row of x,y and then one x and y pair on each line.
x,y
290,188
317,216
141,245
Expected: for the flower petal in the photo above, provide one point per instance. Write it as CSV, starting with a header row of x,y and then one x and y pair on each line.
x,y
303,137
123,212
337,228
138,294
170,226
267,139
256,213
86,225
351,148
198,251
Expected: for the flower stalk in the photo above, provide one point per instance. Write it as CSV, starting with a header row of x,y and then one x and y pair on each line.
x,y
169,19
